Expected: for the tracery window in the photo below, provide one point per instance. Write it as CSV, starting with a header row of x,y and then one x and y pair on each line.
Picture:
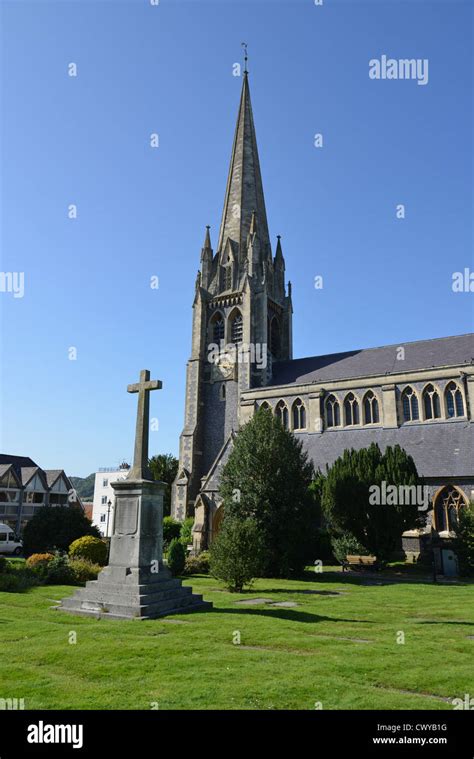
x,y
431,404
371,408
410,405
454,401
281,412
299,415
333,412
351,410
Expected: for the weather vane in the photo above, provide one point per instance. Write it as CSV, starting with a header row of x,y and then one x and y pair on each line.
x,y
244,45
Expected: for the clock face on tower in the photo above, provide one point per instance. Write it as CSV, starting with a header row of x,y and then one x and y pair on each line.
x,y
224,367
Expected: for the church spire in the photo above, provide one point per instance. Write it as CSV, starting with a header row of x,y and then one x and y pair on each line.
x,y
244,191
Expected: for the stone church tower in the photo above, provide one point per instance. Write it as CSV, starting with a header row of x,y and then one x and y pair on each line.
x,y
241,307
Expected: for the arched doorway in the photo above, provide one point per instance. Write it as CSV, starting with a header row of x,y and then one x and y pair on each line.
x,y
446,504
217,521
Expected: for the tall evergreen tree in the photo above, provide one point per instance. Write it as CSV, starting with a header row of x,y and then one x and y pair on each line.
x,y
266,478
347,504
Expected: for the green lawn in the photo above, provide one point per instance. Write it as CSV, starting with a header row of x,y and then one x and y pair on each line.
x,y
337,646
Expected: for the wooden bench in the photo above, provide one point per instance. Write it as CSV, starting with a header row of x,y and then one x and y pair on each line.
x,y
360,562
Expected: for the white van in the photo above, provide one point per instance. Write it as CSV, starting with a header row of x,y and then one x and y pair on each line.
x,y
9,542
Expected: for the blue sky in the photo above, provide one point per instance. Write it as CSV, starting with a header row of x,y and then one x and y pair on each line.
x,y
168,69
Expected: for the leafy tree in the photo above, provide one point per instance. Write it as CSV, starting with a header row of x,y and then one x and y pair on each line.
x,y
236,553
176,557
56,527
171,530
164,467
465,541
266,478
346,497
186,532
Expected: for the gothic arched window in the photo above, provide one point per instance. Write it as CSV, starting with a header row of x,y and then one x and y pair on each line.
x,y
333,413
431,404
217,325
410,405
265,406
454,401
236,327
371,408
446,508
275,344
281,412
351,410
299,415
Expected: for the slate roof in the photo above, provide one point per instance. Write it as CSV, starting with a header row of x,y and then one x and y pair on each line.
x,y
52,475
27,473
17,461
439,449
422,354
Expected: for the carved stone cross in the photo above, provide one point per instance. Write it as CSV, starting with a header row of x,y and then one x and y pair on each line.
x,y
140,470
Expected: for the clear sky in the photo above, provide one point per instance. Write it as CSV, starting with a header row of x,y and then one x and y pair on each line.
x,y
142,211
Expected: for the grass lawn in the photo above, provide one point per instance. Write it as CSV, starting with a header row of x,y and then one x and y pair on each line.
x,y
337,646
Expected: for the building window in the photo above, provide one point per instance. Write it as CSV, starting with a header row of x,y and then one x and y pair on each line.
x,y
431,404
410,405
222,392
371,408
454,401
103,500
281,412
447,504
102,517
333,413
265,406
299,415
236,328
217,323
105,483
226,278
275,344
351,410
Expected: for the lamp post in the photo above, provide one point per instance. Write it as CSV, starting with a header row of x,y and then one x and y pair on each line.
x,y
108,515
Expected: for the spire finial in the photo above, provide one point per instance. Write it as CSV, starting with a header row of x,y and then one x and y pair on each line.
x,y
244,45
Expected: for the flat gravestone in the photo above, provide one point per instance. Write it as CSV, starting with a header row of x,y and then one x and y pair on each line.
x,y
255,601
285,604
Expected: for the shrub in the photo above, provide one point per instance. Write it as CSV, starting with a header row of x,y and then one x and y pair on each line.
x,y
39,560
176,557
84,570
236,553
3,564
92,549
171,530
17,581
186,532
346,544
56,527
197,565
465,541
59,572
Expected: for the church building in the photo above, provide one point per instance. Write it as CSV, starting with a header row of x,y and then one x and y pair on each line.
x,y
418,394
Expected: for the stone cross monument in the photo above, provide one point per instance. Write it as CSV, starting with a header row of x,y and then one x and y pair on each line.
x,y
136,584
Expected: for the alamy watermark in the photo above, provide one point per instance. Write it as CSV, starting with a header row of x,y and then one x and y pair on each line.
x,y
402,68
399,495
12,282
241,353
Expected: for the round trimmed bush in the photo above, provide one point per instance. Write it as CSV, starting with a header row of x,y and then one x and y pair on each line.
x,y
176,557
89,548
39,560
